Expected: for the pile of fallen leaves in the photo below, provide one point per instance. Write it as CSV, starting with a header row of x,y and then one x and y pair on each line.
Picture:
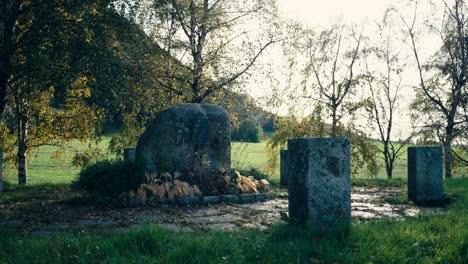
x,y
166,187
250,184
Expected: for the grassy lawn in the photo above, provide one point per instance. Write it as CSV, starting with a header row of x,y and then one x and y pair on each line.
x,y
441,238
44,169
249,155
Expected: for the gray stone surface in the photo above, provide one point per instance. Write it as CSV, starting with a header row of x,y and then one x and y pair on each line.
x,y
188,200
247,198
425,174
187,138
260,197
319,182
129,154
283,167
230,198
211,199
1,170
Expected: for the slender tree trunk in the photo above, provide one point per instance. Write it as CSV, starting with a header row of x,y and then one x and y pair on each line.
x,y
22,148
389,172
334,122
448,150
22,170
388,162
389,167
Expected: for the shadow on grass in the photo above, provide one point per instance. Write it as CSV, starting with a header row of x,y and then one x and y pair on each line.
x,y
42,192
373,183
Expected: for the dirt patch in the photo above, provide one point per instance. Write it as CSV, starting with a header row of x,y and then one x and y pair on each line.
x,y
41,218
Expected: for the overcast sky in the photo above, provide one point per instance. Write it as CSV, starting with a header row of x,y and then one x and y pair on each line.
x,y
317,13
321,12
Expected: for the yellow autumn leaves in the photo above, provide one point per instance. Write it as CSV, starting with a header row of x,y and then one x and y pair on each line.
x,y
164,186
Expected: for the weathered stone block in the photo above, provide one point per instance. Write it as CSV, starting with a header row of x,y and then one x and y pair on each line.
x,y
1,170
188,201
129,154
319,182
230,198
211,199
247,198
284,167
425,175
187,138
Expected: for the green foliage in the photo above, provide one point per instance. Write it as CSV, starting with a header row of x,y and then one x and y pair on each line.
x,y
199,34
128,137
33,120
460,161
291,127
109,177
363,151
248,131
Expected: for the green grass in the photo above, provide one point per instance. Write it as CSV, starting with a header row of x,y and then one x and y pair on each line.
x,y
441,238
249,155
44,169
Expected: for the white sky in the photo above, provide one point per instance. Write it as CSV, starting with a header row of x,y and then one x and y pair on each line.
x,y
317,13
322,12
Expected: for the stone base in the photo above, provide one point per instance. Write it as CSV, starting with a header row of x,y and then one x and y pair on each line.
x,y
319,182
425,175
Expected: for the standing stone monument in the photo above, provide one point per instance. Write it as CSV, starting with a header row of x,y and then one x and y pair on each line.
x,y
319,182
129,154
425,175
1,170
284,167
188,138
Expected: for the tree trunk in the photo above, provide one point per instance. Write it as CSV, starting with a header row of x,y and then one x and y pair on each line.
x,y
448,153
334,122
388,160
22,148
389,169
22,170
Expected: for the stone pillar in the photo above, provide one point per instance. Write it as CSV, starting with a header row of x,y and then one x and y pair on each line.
x,y
425,175
129,154
284,167
320,182
1,170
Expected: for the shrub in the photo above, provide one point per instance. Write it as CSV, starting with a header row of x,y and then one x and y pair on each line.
x,y
248,131
109,177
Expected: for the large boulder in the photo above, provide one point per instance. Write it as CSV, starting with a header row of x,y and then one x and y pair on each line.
x,y
189,138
